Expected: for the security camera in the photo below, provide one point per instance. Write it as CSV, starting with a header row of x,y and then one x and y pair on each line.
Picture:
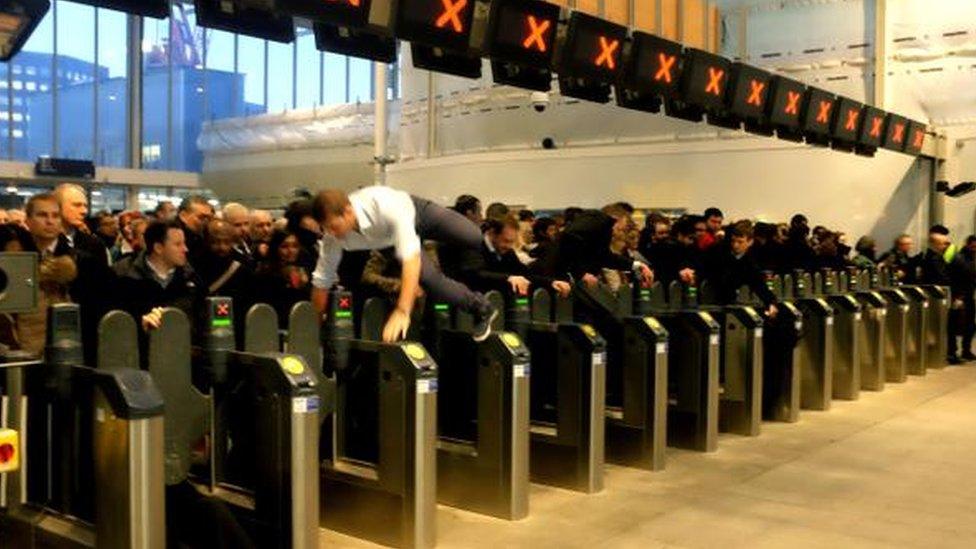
x,y
540,100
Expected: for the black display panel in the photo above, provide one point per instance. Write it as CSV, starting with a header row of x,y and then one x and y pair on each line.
x,y
652,65
818,112
158,9
705,80
440,23
337,12
786,102
593,49
355,42
438,60
523,32
872,127
846,126
236,16
749,95
896,133
915,139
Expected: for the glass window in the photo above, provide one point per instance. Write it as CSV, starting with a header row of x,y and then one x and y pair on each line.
x,y
281,76
109,198
112,91
360,77
76,94
155,94
189,91
308,78
250,63
34,136
225,87
334,79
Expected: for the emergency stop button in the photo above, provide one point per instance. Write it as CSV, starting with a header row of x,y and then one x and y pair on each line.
x,y
9,455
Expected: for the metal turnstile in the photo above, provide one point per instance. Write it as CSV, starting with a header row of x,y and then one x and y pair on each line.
x,y
874,320
848,320
483,412
567,404
693,370
817,344
896,326
637,369
937,325
782,355
916,351
379,477
97,484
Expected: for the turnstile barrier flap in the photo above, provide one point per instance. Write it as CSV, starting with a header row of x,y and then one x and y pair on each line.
x,y
303,334
118,341
497,300
541,310
261,329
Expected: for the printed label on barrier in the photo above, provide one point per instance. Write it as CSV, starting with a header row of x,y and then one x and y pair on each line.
x,y
830,321
100,415
713,339
857,316
882,312
520,370
925,305
661,348
798,325
426,386
904,308
598,359
759,333
304,405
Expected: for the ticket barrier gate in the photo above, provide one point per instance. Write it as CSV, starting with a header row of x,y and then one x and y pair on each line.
x,y
896,325
95,479
637,373
693,368
483,412
937,325
782,355
848,320
566,408
261,414
817,344
379,451
916,350
740,362
874,316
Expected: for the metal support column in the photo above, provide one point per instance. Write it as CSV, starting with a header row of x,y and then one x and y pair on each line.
x,y
380,122
431,116
133,112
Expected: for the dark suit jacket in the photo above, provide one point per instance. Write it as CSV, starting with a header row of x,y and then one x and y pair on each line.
x,y
584,247
485,270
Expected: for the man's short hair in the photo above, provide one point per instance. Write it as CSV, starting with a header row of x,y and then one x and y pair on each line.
x,y
160,205
627,206
192,199
685,226
64,188
526,215
615,211
939,229
40,197
498,224
466,203
231,207
496,210
970,239
743,229
713,212
328,203
156,233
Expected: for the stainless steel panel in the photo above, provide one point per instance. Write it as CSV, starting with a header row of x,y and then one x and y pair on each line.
x,y
520,443
304,479
424,532
597,444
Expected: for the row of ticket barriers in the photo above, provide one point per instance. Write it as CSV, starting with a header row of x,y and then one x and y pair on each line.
x,y
307,426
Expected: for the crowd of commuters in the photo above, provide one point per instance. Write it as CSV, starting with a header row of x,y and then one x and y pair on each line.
x,y
376,242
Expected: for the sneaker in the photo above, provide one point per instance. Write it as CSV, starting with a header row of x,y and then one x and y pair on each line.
x,y
954,361
483,319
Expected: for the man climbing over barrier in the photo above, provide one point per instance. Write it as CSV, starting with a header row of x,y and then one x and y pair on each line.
x,y
377,217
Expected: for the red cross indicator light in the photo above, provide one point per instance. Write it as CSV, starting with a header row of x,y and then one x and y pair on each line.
x,y
895,133
756,93
665,69
918,139
872,127
222,309
823,111
915,138
876,124
537,34
898,134
345,303
792,103
851,123
451,15
715,83
608,53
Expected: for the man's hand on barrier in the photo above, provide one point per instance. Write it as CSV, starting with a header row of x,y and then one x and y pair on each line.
x,y
772,310
647,275
590,280
687,276
519,284
153,319
396,326
562,288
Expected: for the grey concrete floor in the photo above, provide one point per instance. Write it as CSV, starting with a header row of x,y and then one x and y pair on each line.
x,y
892,469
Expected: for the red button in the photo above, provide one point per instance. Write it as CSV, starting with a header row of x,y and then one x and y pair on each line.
x,y
6,452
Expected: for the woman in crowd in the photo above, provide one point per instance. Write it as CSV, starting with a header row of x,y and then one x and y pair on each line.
x,y
283,280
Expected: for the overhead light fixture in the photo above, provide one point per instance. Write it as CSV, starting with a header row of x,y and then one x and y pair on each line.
x,y
18,19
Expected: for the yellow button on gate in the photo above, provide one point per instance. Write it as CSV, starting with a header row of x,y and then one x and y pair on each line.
x,y
652,323
292,365
511,340
414,351
9,450
589,331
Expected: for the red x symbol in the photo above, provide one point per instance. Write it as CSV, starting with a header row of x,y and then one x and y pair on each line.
x,y
919,139
715,76
452,13
345,303
792,103
755,93
852,116
899,134
607,50
876,126
665,63
536,34
223,309
823,115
